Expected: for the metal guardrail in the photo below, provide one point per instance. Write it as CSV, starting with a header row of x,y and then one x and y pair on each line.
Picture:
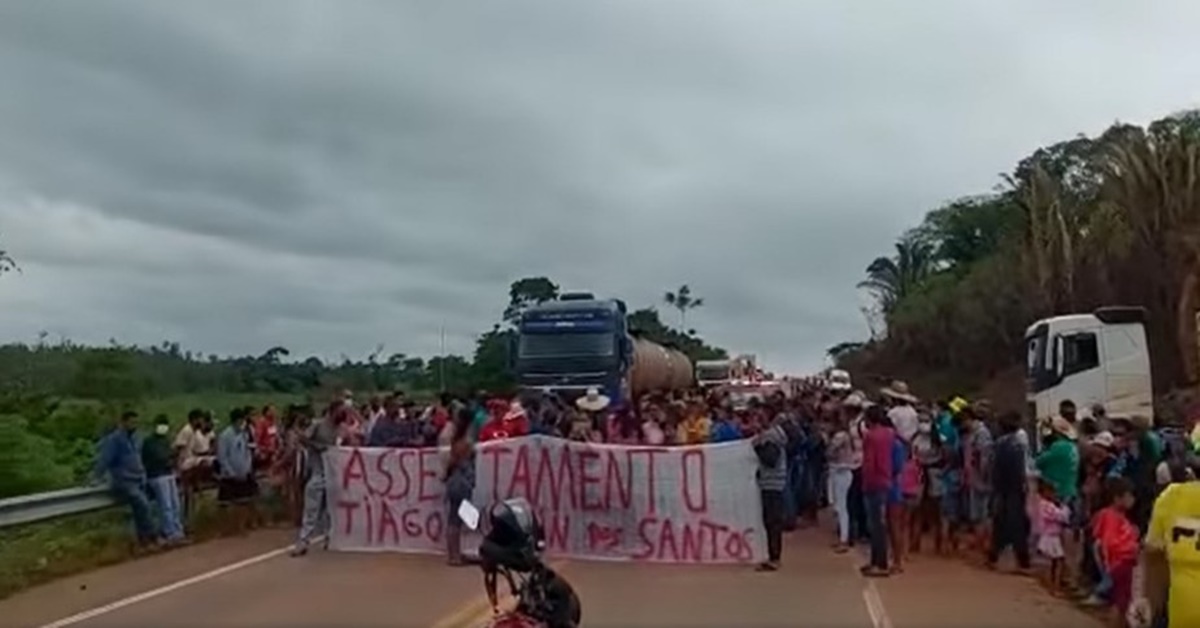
x,y
24,509
15,511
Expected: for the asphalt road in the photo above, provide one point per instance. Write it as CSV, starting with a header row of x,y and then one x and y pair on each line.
x,y
252,582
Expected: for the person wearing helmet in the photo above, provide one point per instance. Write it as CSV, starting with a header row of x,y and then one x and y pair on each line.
x,y
514,544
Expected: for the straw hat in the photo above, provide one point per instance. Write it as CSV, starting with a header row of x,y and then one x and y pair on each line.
x,y
854,400
899,390
592,401
1104,439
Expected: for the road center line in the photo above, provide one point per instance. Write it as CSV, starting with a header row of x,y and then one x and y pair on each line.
x,y
163,590
477,611
871,598
875,608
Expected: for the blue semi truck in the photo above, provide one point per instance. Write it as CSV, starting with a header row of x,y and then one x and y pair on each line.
x,y
579,342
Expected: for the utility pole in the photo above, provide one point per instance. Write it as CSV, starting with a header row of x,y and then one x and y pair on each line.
x,y
442,362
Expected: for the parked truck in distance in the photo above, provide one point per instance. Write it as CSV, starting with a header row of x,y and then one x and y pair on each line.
x,y
713,373
1098,358
579,342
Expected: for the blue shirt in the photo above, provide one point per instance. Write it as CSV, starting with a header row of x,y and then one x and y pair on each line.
x,y
233,454
725,431
899,457
120,458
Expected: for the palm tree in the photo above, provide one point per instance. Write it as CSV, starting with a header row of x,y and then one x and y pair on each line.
x,y
683,301
1152,181
891,279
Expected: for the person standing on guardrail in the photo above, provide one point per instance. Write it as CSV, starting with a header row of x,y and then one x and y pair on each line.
x,y
160,472
120,460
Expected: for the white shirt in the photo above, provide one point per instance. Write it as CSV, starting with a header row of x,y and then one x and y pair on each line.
x,y
905,420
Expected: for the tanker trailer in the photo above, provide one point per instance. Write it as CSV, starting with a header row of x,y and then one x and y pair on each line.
x,y
579,342
656,367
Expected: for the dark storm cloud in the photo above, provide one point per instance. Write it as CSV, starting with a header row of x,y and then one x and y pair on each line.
x,y
330,176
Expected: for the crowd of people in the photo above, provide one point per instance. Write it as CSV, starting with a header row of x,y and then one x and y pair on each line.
x,y
1086,493
1080,492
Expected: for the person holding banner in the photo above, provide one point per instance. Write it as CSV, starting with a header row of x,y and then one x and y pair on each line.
x,y
316,441
770,446
460,482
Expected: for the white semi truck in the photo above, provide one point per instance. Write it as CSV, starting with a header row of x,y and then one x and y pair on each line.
x,y
1098,358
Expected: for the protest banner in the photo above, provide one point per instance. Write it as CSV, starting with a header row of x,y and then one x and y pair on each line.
x,y
693,504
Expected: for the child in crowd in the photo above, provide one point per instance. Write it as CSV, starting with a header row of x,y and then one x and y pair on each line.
x,y
1053,517
1116,546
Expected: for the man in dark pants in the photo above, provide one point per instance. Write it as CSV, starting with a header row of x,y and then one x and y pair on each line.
x,y
877,474
771,448
1010,520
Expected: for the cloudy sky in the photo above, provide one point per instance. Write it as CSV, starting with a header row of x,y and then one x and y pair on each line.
x,y
330,176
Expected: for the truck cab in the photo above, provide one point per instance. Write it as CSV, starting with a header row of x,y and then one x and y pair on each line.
x,y
714,373
1097,358
572,344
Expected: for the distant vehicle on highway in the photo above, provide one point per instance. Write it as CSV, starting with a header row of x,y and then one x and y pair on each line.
x,y
713,373
838,381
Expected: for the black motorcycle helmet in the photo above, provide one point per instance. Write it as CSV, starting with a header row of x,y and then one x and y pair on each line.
x,y
515,538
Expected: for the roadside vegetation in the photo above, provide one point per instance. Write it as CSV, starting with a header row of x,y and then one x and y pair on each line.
x,y
1089,221
58,397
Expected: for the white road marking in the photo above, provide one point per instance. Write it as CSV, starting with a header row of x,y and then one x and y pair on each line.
x,y
871,597
875,608
163,590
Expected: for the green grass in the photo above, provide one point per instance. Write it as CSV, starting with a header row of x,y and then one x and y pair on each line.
x,y
176,407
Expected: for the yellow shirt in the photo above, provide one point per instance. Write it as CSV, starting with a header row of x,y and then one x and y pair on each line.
x,y
1175,529
694,431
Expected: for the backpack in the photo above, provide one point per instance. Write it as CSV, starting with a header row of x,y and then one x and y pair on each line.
x,y
912,478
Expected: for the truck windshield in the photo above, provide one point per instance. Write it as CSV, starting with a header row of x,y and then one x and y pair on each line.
x,y
1035,354
566,345
712,372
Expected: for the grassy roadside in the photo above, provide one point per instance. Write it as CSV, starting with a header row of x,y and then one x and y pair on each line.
x,y
40,552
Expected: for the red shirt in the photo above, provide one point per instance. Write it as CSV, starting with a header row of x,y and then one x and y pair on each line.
x,y
1116,536
504,428
877,458
266,437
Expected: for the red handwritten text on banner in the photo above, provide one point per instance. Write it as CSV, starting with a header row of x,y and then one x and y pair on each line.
x,y
694,504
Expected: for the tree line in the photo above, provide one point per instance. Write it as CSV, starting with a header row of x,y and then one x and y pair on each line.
x,y
57,397
1089,221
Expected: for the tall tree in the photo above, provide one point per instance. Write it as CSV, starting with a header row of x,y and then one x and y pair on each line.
x,y
526,292
891,279
1153,176
684,301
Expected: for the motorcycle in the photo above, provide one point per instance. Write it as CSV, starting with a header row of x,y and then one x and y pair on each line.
x,y
544,598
